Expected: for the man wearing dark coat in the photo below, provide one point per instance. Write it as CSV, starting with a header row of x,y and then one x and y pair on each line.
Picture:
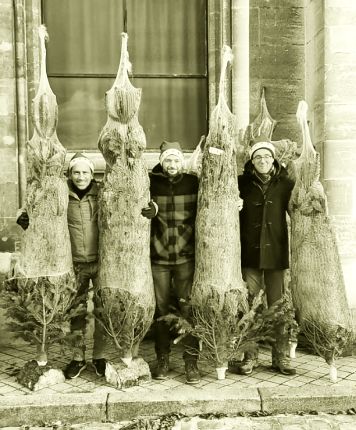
x,y
265,189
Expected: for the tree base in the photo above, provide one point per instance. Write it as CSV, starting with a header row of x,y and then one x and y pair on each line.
x,y
36,377
121,376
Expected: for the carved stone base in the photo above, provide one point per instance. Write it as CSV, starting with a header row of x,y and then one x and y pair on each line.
x,y
36,377
122,376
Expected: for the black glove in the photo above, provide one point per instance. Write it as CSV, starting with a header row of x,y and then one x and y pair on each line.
x,y
150,211
23,220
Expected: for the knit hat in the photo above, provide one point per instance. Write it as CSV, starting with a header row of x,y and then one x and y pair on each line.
x,y
79,157
262,145
170,148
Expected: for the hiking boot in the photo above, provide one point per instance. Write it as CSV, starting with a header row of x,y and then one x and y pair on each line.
x,y
192,374
74,369
162,367
283,366
247,366
99,366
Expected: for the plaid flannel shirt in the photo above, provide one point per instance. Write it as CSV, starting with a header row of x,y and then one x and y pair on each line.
x,y
173,228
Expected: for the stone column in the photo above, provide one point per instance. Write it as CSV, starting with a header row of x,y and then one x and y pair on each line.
x,y
219,34
8,128
331,95
240,13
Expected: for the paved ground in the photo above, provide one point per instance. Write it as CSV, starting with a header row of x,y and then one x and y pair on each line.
x,y
311,371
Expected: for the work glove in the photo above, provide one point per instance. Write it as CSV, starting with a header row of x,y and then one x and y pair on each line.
x,y
23,220
150,211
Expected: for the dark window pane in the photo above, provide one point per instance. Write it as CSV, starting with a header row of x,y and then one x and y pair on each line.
x,y
167,37
172,109
81,110
85,35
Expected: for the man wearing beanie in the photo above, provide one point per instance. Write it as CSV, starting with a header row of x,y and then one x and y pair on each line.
x,y
83,230
173,212
265,189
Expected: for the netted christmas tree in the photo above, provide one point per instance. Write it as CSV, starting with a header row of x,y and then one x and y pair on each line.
x,y
40,296
126,287
316,275
219,295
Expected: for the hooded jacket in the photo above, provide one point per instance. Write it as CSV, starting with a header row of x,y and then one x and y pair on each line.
x,y
263,222
172,229
82,218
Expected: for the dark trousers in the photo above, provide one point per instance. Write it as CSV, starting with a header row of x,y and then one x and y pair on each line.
x,y
86,272
173,285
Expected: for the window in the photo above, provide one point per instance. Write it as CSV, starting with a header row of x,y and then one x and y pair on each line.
x,y
168,51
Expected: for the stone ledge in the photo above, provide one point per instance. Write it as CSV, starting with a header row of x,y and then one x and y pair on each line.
x,y
40,409
307,399
188,401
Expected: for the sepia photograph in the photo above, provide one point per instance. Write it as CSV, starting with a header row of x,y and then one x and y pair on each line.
x,y
177,214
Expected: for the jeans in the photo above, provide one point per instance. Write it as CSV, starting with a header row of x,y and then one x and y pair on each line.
x,y
173,285
86,272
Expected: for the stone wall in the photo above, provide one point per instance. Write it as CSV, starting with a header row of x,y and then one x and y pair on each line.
x,y
19,72
331,95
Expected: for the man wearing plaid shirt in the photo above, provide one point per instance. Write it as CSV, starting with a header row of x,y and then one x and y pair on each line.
x,y
173,212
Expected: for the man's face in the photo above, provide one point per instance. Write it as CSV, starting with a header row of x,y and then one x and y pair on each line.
x,y
262,160
172,165
81,175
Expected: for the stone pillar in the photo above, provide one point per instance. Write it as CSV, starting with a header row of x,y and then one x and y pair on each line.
x,y
219,34
9,195
331,95
240,11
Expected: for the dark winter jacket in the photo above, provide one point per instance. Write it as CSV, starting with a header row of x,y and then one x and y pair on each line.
x,y
172,229
263,223
83,224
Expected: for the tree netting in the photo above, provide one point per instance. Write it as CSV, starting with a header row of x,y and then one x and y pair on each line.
x,y
317,281
125,280
42,290
219,295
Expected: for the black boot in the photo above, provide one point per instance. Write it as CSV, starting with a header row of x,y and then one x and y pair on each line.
x,y
162,368
192,374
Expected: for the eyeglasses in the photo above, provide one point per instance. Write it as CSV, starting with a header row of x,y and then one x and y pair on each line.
x,y
262,157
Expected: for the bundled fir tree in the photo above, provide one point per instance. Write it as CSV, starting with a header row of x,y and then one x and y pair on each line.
x,y
40,294
316,275
126,287
219,296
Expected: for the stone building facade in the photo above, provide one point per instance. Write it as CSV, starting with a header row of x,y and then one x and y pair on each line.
x,y
295,49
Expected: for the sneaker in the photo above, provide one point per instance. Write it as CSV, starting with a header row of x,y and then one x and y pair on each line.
x,y
74,369
192,374
283,366
99,366
247,366
162,367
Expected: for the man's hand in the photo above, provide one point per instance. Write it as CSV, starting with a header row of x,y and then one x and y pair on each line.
x,y
23,220
150,211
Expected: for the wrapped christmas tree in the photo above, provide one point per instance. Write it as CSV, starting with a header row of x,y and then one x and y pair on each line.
x,y
125,279
219,295
40,295
316,275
